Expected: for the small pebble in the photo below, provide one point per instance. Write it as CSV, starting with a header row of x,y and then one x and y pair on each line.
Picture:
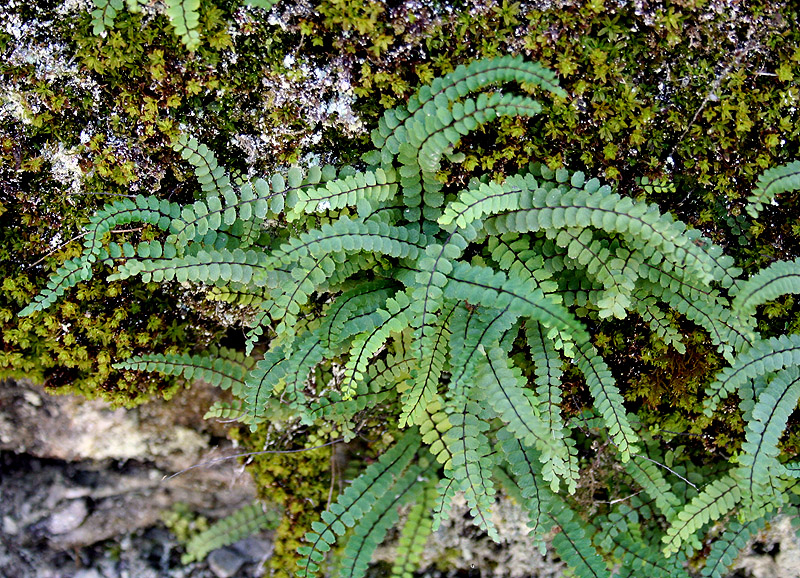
x,y
225,562
68,517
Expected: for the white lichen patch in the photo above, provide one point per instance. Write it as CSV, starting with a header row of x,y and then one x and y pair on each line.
x,y
64,165
15,106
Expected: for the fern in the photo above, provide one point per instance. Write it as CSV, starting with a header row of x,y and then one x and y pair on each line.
x,y
357,502
457,317
241,524
415,532
726,548
772,183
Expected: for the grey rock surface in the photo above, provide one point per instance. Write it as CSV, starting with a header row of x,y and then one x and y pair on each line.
x,y
68,517
83,488
225,562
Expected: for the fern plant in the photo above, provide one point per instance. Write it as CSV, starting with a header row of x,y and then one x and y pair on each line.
x,y
184,15
423,297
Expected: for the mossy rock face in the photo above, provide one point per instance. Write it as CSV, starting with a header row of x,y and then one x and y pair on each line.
x,y
682,106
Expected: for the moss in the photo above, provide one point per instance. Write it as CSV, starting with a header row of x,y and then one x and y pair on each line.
x,y
299,482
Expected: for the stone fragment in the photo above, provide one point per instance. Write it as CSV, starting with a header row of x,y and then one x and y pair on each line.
x,y
225,562
254,549
68,517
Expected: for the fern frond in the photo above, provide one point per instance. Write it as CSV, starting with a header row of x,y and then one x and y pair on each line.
x,y
218,371
780,278
351,235
433,427
472,464
640,559
104,14
356,502
651,479
608,400
765,356
483,286
185,18
771,183
430,364
726,332
525,465
354,311
68,275
659,324
547,368
726,548
369,534
414,534
573,543
717,499
768,419
207,266
212,177
372,187
241,524
393,319
474,329
657,236
261,381
482,73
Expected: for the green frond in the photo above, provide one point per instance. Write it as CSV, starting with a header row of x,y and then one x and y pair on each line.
x,y
473,330
242,523
758,462
368,535
393,319
484,286
104,14
472,464
651,479
771,183
482,73
525,465
219,371
356,503
414,534
355,311
780,278
657,236
657,320
726,332
501,384
68,275
433,427
726,548
418,392
547,369
765,356
262,381
608,400
351,236
236,411
210,267
185,18
573,543
373,187
640,559
717,499
212,177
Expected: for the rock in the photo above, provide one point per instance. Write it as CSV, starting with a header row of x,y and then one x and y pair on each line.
x,y
90,573
254,549
68,518
225,562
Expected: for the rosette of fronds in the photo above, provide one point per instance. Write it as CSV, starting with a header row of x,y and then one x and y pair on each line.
x,y
424,296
